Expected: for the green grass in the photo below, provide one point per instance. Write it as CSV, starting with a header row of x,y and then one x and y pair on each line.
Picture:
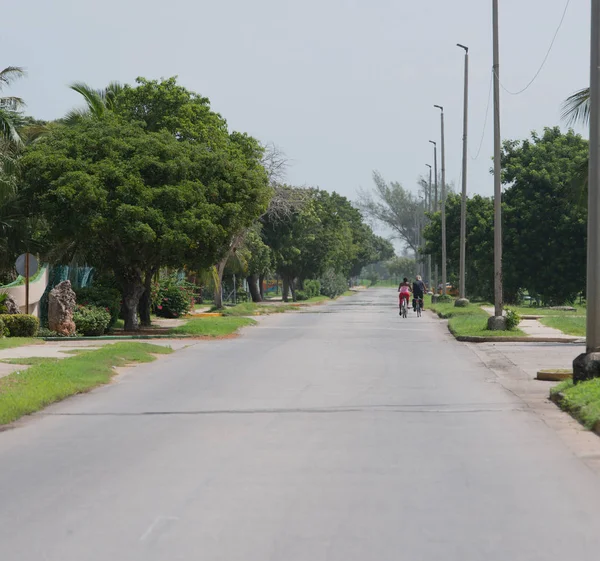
x,y
252,309
22,393
468,322
212,326
581,400
534,311
12,342
574,325
30,360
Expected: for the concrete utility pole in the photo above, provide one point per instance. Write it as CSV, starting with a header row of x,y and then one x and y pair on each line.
x,y
587,365
497,322
462,301
444,279
435,207
429,210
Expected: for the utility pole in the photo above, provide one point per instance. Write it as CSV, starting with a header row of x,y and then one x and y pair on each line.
x,y
587,365
429,210
443,203
435,207
497,322
463,204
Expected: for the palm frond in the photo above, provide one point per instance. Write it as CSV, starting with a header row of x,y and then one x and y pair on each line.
x,y
75,116
7,127
11,103
111,93
33,133
93,98
10,74
576,108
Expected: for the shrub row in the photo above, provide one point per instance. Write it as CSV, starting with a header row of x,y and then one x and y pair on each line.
x,y
19,325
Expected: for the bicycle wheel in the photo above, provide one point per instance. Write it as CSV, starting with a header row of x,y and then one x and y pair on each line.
x,y
404,312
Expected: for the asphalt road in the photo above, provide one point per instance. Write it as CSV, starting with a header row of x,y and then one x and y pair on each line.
x,y
341,434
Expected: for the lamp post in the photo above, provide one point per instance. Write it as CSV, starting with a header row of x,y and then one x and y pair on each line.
x,y
429,210
462,301
587,365
443,202
435,206
497,322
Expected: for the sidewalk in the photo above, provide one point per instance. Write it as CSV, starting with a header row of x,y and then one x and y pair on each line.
x,y
60,350
533,328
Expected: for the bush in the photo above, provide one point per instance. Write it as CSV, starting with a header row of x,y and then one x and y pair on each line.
x,y
100,296
3,329
3,308
513,319
301,295
92,321
312,288
20,325
172,299
333,284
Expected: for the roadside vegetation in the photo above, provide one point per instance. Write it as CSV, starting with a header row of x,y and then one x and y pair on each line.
x,y
468,322
567,324
212,326
582,401
49,381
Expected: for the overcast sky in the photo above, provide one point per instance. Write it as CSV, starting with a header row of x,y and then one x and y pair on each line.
x,y
342,86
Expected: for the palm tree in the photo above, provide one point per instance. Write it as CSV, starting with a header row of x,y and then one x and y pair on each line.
x,y
97,101
9,105
576,108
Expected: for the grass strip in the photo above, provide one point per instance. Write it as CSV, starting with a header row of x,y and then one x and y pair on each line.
x,y
569,325
28,391
582,401
13,342
29,360
470,321
212,326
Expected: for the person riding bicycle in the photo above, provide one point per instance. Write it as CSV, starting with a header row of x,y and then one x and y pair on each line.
x,y
404,290
418,292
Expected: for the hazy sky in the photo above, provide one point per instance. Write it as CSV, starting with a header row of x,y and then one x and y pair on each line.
x,y
342,86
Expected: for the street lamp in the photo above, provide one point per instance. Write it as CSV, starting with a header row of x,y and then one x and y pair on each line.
x,y
443,202
587,365
435,206
462,300
497,322
429,210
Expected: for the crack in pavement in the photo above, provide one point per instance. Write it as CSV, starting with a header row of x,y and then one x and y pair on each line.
x,y
434,408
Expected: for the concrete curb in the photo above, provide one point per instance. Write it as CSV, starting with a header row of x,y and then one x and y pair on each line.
x,y
549,375
467,339
118,337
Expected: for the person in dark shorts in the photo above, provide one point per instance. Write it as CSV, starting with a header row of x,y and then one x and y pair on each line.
x,y
418,292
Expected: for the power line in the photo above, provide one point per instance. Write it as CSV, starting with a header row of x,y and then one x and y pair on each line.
x,y
487,112
562,19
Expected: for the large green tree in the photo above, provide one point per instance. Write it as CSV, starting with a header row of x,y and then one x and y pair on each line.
x,y
545,232
133,200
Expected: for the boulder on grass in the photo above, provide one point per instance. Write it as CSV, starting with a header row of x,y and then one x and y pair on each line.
x,y
61,303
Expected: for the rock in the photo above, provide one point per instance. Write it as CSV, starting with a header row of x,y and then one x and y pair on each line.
x,y
12,308
497,323
461,303
586,367
563,308
61,303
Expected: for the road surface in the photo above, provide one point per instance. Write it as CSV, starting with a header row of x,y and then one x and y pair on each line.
x,y
343,433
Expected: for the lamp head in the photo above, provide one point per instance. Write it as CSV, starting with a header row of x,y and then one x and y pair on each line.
x,y
463,47
439,107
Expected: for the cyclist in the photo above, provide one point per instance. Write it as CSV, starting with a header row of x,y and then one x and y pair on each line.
x,y
404,290
418,292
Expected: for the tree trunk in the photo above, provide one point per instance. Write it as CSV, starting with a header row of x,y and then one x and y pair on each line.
x,y
292,288
261,287
146,300
131,301
218,302
252,281
285,289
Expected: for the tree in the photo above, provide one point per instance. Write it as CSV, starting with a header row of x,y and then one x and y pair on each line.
x,y
98,102
395,207
545,233
135,200
400,267
10,105
479,274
